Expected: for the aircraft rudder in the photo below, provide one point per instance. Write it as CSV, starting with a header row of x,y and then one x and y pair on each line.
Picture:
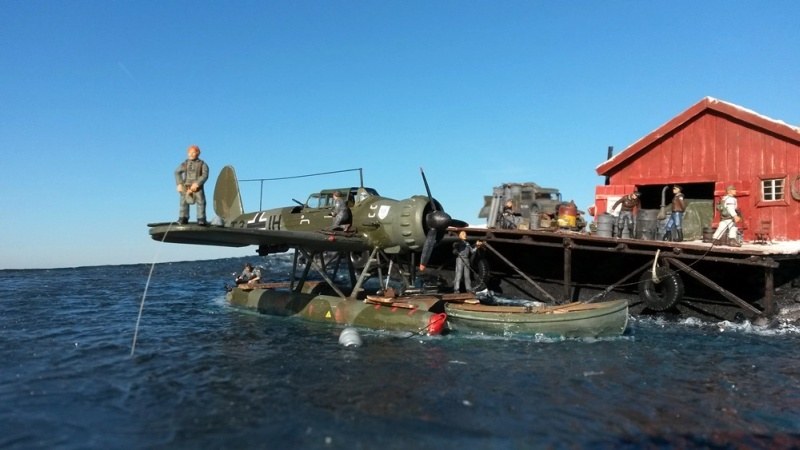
x,y
227,198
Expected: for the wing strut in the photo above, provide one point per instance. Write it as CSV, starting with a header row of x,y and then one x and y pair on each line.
x,y
322,273
373,259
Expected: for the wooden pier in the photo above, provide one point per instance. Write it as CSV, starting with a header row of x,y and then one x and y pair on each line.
x,y
692,278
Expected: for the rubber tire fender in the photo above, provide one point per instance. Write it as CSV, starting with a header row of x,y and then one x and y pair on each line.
x,y
664,295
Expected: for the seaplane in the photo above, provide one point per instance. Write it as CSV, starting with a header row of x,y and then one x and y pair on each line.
x,y
389,241
383,247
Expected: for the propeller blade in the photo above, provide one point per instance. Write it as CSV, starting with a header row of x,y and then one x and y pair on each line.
x,y
458,223
427,188
437,222
427,248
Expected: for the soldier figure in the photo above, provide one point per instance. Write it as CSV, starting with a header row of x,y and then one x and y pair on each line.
x,y
342,217
190,176
463,250
729,217
626,217
676,218
249,275
507,219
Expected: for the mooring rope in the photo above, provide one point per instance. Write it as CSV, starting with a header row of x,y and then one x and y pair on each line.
x,y
672,271
144,294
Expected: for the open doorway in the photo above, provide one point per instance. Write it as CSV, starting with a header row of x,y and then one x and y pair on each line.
x,y
652,194
656,204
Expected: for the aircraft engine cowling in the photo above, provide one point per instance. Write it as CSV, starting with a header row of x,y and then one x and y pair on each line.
x,y
404,224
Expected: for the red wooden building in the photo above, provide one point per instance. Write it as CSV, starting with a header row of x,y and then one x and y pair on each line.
x,y
707,147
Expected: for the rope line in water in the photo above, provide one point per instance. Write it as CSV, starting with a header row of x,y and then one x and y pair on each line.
x,y
422,331
144,294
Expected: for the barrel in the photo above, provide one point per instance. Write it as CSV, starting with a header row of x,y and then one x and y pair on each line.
x,y
605,225
567,215
708,234
647,224
536,220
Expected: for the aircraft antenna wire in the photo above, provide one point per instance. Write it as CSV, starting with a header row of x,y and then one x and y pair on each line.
x,y
291,177
144,294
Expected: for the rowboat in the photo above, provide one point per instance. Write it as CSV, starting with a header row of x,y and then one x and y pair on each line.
x,y
572,320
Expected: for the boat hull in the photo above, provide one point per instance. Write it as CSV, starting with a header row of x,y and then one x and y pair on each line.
x,y
573,320
418,317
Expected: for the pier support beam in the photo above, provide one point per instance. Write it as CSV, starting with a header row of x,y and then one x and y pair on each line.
x,y
521,273
708,282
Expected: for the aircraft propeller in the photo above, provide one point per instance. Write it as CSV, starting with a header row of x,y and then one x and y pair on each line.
x,y
437,222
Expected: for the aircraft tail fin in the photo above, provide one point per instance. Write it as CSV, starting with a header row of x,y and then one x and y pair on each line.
x,y
227,199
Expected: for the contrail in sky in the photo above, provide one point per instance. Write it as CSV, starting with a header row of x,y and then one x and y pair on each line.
x,y
127,72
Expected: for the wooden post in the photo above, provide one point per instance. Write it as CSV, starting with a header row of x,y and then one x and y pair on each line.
x,y
567,269
769,288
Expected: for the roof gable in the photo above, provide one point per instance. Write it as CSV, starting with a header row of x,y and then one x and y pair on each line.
x,y
704,106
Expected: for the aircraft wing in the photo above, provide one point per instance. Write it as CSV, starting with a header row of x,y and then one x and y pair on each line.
x,y
242,237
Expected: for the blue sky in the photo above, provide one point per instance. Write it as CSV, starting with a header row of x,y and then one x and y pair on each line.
x,y
101,98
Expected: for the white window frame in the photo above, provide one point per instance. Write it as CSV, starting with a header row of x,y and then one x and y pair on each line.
x,y
773,189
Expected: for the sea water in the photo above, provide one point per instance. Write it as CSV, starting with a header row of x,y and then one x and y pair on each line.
x,y
206,375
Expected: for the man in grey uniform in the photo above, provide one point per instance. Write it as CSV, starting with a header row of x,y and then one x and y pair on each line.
x,y
463,250
342,217
190,176
627,218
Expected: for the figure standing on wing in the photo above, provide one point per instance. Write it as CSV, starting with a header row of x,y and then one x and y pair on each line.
x,y
190,177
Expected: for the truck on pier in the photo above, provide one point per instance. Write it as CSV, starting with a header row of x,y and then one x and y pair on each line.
x,y
533,207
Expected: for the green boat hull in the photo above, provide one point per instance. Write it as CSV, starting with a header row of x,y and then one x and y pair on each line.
x,y
575,320
419,317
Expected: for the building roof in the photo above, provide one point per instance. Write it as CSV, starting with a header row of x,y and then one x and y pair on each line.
x,y
706,105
